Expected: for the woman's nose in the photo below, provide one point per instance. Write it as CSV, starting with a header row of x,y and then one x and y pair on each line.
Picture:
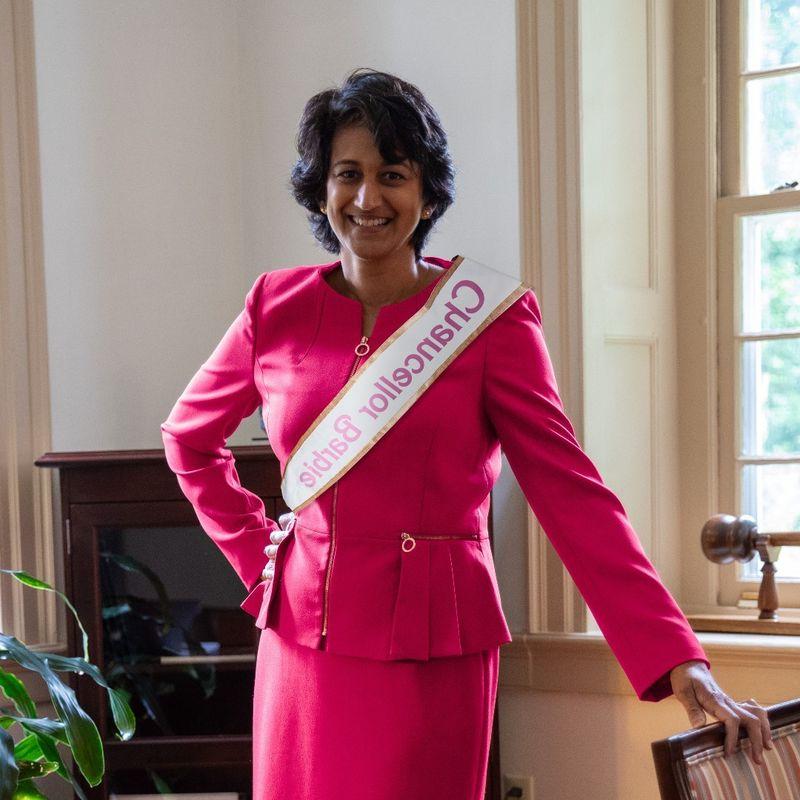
x,y
369,195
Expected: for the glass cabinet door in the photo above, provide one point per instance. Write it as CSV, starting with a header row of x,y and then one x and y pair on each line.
x,y
173,635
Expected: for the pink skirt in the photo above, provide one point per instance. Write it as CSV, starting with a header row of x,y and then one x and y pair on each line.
x,y
347,728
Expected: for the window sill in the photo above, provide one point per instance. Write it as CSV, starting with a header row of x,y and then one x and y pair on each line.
x,y
745,665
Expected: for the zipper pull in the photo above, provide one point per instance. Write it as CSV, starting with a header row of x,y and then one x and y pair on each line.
x,y
362,348
407,537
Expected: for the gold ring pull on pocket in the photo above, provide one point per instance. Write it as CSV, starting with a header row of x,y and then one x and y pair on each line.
x,y
408,539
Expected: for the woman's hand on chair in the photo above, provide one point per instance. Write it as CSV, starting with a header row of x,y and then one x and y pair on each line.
x,y
276,537
695,687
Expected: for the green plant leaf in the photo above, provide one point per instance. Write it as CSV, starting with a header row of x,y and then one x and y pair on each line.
x,y
14,689
49,749
123,715
9,771
35,769
82,734
26,790
124,718
39,726
27,749
35,583
121,711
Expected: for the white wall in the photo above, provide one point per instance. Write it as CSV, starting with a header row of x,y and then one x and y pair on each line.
x,y
167,136
139,116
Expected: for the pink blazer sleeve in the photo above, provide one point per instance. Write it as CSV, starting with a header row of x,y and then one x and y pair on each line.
x,y
584,520
221,394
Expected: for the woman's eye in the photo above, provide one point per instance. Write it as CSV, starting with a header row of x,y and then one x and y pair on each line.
x,y
350,174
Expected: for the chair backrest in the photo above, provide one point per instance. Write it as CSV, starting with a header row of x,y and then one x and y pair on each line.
x,y
691,765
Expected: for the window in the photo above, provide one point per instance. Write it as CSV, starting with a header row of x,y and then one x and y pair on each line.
x,y
758,215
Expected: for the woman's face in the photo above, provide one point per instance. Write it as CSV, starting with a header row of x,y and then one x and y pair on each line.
x,y
373,207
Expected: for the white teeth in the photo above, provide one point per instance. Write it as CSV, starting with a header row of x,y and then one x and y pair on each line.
x,y
370,222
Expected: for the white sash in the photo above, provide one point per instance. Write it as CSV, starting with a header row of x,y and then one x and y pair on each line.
x,y
395,375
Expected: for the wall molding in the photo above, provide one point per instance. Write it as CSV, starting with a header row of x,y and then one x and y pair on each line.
x,y
742,664
26,529
696,183
549,157
651,345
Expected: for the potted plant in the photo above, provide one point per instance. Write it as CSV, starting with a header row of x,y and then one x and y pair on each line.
x,y
36,754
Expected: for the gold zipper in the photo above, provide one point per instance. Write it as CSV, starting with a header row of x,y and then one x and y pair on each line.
x,y
361,349
407,537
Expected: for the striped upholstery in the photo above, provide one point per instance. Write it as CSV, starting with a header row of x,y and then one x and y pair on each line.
x,y
712,777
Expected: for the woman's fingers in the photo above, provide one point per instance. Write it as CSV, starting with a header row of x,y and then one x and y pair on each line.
x,y
733,715
754,731
695,687
761,712
714,703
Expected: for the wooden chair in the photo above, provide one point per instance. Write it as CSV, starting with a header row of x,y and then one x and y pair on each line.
x,y
691,766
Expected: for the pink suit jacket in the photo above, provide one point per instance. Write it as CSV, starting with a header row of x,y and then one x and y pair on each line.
x,y
342,581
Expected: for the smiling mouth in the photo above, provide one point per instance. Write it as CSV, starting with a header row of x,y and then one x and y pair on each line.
x,y
370,222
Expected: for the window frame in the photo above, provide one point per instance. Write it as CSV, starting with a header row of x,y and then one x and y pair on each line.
x,y
732,205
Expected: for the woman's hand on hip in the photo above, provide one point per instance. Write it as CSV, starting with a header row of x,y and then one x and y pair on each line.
x,y
286,521
695,687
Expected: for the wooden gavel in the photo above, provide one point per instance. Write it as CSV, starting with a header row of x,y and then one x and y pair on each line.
x,y
726,538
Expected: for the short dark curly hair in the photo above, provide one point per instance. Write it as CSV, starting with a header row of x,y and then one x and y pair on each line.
x,y
404,125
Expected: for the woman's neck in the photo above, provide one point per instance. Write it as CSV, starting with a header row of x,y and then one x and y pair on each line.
x,y
375,284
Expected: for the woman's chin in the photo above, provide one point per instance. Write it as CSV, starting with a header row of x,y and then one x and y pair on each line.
x,y
375,249
370,250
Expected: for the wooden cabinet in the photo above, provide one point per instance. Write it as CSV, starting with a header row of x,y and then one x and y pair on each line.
x,y
160,604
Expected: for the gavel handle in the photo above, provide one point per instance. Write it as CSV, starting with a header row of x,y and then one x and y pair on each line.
x,y
783,537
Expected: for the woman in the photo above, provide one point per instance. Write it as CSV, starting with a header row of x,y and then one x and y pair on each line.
x,y
377,666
